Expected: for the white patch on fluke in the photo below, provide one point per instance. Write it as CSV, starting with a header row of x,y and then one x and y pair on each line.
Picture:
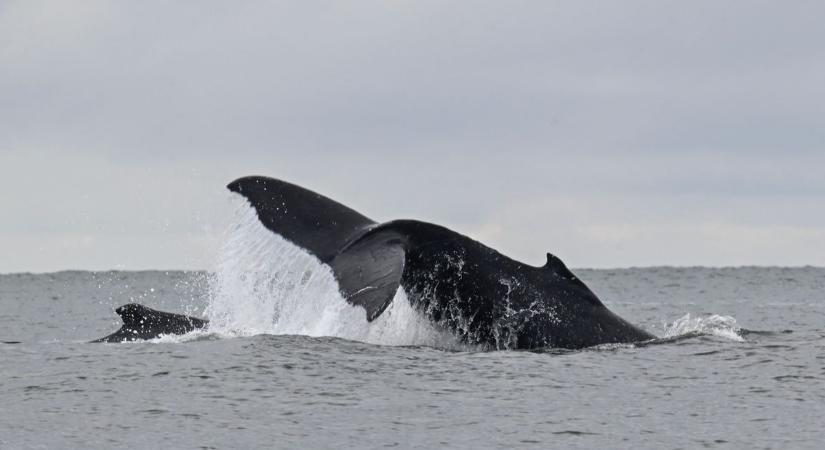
x,y
263,284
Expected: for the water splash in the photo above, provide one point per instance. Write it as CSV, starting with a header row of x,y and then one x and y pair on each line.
x,y
264,284
714,324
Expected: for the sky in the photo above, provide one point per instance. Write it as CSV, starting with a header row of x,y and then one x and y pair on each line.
x,y
612,134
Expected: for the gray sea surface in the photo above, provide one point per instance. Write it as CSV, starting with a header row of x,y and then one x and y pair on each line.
x,y
745,369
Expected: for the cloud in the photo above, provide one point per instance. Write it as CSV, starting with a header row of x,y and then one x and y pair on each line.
x,y
127,118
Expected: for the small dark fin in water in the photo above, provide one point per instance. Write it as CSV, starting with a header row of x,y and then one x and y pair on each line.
x,y
745,332
309,220
141,323
369,271
669,340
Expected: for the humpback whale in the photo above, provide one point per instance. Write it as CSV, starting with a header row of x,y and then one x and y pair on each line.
x,y
475,292
141,322
483,297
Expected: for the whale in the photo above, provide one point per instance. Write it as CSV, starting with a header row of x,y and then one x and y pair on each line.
x,y
481,296
478,294
143,323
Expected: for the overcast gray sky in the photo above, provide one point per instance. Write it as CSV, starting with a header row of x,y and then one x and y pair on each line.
x,y
612,134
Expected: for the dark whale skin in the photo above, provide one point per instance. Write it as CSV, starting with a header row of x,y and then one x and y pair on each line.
x,y
142,323
483,297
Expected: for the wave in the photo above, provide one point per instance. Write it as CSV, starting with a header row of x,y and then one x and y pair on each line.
x,y
713,324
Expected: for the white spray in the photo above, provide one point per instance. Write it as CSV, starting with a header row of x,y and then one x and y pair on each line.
x,y
714,324
264,284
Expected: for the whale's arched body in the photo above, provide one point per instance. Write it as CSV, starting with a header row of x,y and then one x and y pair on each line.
x,y
470,289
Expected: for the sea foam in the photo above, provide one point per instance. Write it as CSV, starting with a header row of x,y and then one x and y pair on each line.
x,y
713,324
263,284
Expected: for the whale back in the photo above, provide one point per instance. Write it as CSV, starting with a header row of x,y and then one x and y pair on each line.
x,y
367,259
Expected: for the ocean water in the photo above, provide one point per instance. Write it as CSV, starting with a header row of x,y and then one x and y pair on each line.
x,y
286,363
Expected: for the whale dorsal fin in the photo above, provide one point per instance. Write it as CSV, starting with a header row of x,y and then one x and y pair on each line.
x,y
309,220
557,266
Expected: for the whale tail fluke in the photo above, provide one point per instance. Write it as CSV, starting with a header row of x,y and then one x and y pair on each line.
x,y
367,265
318,224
